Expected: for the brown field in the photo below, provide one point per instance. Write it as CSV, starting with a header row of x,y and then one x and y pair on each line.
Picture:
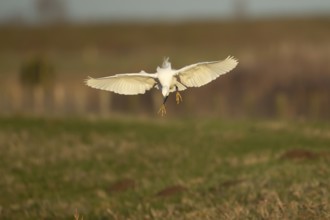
x,y
284,68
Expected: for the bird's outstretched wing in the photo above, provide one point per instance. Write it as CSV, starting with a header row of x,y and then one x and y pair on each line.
x,y
125,84
199,74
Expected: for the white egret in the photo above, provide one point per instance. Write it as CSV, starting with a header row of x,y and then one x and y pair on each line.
x,y
165,79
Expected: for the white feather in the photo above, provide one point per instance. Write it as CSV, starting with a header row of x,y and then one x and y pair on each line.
x,y
199,74
125,84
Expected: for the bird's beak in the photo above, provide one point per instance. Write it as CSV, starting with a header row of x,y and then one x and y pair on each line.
x,y
165,91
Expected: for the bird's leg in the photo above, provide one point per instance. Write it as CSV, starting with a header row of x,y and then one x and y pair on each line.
x,y
178,97
162,109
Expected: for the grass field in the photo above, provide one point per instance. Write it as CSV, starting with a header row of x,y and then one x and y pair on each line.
x,y
185,169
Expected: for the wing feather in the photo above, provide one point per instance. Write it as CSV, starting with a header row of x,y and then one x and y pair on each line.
x,y
125,84
199,74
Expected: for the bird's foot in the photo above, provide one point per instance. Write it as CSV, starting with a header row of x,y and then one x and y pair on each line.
x,y
178,98
162,110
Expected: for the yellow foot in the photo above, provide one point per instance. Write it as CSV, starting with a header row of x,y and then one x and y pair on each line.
x,y
178,98
162,110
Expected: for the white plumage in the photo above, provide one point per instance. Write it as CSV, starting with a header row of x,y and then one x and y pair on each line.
x,y
165,79
124,84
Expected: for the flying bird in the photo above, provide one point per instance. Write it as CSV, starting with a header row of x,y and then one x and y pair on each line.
x,y
166,79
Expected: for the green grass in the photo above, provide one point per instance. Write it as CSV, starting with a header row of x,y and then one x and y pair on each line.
x,y
209,169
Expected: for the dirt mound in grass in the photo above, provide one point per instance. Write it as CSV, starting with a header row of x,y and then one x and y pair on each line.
x,y
171,191
300,154
122,185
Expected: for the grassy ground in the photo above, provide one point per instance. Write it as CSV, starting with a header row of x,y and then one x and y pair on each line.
x,y
121,169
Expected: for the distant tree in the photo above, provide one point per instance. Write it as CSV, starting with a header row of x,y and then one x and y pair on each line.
x,y
240,9
37,77
37,72
14,19
51,11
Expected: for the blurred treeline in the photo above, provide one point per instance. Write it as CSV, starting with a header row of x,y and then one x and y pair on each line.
x,y
284,68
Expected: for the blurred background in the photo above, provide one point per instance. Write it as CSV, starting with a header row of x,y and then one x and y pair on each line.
x,y
48,48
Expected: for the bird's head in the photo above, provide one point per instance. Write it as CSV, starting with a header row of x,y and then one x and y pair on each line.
x,y
166,63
